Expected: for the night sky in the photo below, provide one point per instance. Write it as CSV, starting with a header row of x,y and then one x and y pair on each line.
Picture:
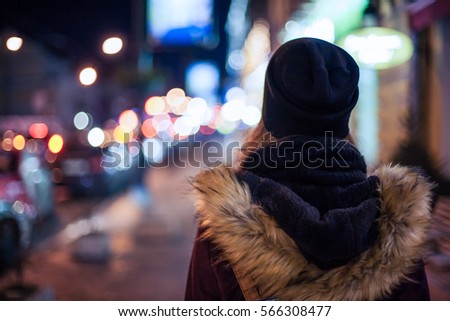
x,y
68,27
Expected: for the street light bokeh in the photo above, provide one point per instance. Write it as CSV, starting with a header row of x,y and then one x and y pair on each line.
x,y
96,137
88,76
112,45
14,43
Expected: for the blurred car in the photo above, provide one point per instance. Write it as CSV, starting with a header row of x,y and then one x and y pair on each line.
x,y
78,170
87,171
36,177
123,166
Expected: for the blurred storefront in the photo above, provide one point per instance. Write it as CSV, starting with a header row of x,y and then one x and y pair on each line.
x,y
430,25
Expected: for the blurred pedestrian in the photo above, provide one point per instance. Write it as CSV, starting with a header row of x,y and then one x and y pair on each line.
x,y
301,219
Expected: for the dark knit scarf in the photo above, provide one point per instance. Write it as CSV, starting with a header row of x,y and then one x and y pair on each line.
x,y
318,192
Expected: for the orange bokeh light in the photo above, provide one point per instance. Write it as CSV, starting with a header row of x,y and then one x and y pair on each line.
x,y
122,135
19,142
7,144
147,129
128,120
55,143
155,105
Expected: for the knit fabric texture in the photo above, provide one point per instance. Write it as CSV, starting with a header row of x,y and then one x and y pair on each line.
x,y
318,192
311,87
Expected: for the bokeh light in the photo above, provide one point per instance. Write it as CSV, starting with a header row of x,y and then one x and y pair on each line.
x,y
202,78
161,122
235,93
50,157
251,115
96,137
147,128
321,29
128,120
55,143
155,105
38,130
164,125
197,110
7,144
8,134
32,146
236,60
122,135
112,45
14,43
181,109
185,126
88,76
232,110
19,142
175,97
82,120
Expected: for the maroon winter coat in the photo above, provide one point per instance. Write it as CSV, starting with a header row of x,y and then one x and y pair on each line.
x,y
208,279
234,231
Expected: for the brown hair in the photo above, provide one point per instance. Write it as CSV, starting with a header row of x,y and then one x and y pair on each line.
x,y
259,137
254,138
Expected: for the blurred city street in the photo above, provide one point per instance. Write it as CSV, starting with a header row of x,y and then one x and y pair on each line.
x,y
142,252
103,102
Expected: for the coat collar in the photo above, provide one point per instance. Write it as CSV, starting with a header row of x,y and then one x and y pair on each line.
x,y
251,240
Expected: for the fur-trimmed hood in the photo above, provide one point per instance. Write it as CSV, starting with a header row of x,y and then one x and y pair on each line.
x,y
252,241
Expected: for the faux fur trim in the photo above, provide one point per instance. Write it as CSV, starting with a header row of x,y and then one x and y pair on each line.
x,y
252,241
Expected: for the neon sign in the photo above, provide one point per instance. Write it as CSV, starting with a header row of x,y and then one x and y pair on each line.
x,y
378,48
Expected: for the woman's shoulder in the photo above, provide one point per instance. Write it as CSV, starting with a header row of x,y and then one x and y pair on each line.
x,y
405,193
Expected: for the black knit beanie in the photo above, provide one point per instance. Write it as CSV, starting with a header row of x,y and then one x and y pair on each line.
x,y
311,87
